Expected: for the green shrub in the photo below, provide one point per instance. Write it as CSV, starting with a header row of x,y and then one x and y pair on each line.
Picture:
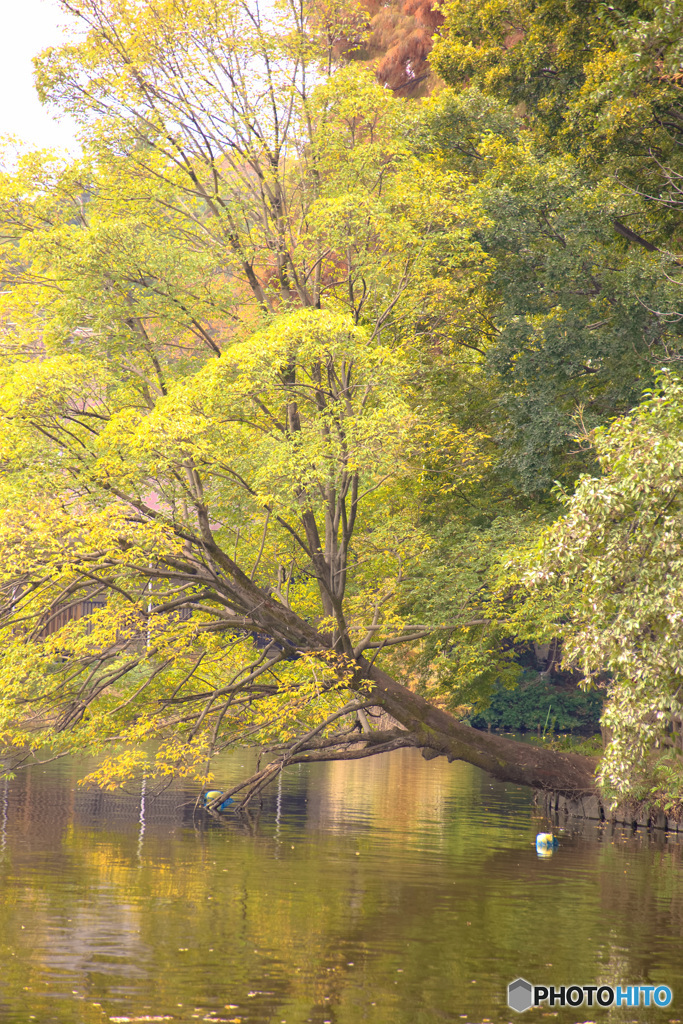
x,y
538,704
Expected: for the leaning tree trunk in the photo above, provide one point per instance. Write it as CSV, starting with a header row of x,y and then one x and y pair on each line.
x,y
424,726
508,760
430,729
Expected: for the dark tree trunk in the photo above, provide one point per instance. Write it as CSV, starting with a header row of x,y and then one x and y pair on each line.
x,y
508,760
436,733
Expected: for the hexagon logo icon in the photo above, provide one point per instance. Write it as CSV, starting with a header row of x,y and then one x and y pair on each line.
x,y
520,995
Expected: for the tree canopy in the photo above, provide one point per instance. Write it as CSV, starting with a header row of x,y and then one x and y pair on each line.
x,y
290,366
608,575
215,418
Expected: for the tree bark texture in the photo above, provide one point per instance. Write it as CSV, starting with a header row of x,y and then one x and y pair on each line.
x,y
506,759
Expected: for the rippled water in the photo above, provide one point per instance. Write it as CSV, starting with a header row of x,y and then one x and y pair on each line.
x,y
393,891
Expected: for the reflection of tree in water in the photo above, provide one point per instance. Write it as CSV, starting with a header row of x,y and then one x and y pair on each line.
x,y
347,899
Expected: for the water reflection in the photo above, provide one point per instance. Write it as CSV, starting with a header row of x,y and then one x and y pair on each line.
x,y
393,890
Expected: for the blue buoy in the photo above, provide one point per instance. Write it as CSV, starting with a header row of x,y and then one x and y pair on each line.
x,y
213,794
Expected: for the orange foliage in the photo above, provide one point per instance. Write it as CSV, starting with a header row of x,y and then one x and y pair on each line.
x,y
402,33
398,43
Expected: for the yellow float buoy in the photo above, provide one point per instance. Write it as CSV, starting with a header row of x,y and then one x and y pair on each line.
x,y
545,844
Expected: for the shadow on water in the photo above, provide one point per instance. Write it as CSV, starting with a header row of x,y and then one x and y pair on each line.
x,y
393,891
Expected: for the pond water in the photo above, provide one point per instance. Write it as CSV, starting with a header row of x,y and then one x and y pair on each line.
x,y
392,890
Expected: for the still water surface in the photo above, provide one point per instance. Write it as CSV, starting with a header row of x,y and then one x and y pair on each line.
x,y
393,891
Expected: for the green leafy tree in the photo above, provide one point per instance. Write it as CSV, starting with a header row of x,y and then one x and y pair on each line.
x,y
574,316
608,580
220,403
601,83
